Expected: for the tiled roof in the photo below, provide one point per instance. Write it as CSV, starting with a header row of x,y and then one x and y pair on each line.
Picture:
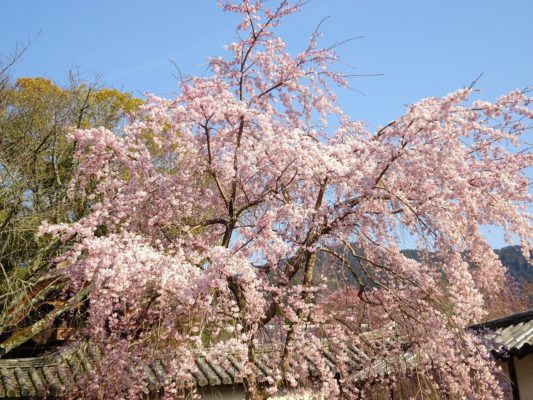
x,y
512,335
48,374
29,377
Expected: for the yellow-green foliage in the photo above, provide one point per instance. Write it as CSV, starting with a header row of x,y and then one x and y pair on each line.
x,y
36,163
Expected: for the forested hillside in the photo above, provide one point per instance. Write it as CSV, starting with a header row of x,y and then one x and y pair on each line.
x,y
511,256
519,268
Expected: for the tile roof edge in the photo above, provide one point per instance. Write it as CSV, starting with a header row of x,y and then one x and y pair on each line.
x,y
512,319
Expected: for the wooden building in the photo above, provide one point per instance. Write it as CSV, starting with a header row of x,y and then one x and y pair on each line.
x,y
511,342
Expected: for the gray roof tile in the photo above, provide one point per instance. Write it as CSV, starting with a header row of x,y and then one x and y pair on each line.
x,y
512,335
50,374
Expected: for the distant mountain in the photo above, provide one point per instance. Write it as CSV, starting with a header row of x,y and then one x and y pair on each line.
x,y
519,268
511,256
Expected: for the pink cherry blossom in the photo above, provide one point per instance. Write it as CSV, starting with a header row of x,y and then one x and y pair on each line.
x,y
208,212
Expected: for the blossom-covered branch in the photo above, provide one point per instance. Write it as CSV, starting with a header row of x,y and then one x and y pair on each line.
x,y
211,209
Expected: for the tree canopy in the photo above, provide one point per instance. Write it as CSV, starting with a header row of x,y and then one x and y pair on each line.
x,y
36,164
207,233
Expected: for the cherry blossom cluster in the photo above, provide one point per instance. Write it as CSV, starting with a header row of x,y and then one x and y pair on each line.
x,y
208,212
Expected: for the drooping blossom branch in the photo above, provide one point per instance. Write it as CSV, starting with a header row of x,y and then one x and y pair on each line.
x,y
210,211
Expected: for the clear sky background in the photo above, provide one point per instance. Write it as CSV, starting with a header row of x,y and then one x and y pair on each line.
x,y
422,47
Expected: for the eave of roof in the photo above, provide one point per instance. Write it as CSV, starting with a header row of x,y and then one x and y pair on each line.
x,y
508,336
505,321
47,375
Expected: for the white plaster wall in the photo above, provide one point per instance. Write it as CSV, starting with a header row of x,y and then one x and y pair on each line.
x,y
524,375
236,392
233,392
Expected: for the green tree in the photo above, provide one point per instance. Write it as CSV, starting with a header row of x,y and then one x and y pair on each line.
x,y
36,164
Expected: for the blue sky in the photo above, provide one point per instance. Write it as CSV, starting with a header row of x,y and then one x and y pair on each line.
x,y
423,47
